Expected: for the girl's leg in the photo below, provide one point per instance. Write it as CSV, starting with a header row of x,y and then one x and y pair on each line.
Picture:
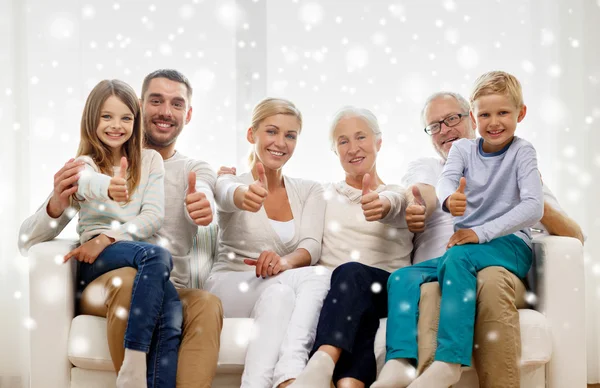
x,y
163,356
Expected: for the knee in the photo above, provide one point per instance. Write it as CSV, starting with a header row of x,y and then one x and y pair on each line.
x,y
161,255
495,285
200,306
173,315
404,278
279,294
346,274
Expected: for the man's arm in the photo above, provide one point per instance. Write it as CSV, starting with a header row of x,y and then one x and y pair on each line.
x,y
558,224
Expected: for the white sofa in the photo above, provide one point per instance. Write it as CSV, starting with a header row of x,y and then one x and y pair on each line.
x,y
72,351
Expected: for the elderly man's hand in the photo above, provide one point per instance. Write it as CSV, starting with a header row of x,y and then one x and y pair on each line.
x,y
415,212
457,202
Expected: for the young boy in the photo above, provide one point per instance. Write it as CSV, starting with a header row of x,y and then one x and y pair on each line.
x,y
499,197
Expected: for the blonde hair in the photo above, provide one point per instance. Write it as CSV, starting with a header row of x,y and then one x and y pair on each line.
x,y
271,107
361,113
498,82
91,145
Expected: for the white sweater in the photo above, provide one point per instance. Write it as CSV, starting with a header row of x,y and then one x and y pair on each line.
x,y
348,236
177,232
244,234
139,219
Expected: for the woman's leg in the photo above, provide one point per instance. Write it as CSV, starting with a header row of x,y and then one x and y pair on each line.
x,y
347,326
310,285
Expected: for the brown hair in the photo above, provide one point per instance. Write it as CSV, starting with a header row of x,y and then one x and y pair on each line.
x,y
498,82
271,107
100,153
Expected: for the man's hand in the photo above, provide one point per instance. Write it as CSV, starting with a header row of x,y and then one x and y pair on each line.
x,y
374,206
255,195
197,205
117,189
457,202
415,212
89,251
65,185
268,263
463,236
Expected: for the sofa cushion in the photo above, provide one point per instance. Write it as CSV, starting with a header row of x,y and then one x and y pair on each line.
x,y
88,346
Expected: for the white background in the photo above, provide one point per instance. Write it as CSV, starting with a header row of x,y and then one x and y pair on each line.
x,y
387,56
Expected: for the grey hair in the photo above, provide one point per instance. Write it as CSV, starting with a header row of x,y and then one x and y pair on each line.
x,y
464,104
351,111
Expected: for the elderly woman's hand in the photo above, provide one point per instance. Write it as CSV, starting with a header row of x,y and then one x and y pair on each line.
x,y
374,206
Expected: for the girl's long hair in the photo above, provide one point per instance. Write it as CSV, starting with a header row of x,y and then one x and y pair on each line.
x,y
100,153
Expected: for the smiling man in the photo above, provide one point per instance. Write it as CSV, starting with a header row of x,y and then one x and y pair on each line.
x,y
500,293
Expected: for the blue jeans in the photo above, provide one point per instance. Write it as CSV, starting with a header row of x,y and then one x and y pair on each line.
x,y
155,315
456,272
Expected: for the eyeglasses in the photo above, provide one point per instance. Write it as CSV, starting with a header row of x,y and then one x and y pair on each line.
x,y
450,121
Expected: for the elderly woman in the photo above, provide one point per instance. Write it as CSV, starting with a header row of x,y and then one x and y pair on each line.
x,y
365,239
270,231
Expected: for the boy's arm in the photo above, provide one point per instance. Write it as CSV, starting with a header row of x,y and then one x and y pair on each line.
x,y
529,210
152,212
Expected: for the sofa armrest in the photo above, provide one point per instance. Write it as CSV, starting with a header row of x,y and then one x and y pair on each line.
x,y
561,295
52,307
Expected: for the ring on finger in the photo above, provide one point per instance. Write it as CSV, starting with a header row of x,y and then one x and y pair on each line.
x,y
270,264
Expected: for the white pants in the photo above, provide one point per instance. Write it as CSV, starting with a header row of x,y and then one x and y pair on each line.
x,y
286,311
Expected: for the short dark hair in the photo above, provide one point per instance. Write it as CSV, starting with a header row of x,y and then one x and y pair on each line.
x,y
169,74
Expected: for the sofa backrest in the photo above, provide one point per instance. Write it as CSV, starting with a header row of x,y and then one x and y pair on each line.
x,y
203,254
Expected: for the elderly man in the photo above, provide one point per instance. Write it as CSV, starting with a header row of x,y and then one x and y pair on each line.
x,y
500,293
189,186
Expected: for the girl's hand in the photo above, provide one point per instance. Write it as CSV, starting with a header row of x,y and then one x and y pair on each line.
x,y
117,189
268,263
89,251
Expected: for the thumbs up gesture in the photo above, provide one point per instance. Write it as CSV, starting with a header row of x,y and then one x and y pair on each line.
x,y
197,205
374,206
415,212
117,188
255,195
457,202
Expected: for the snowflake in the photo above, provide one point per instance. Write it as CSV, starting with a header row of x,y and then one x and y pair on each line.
x,y
449,5
62,28
547,37
121,313
29,323
467,57
376,288
24,238
492,336
229,14
404,306
132,229
117,281
531,298
311,14
356,58
528,66
115,225
186,12
320,270
79,345
88,12
17,295
243,287
355,255
334,226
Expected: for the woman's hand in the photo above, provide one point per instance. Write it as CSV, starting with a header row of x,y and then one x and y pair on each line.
x,y
89,251
251,198
268,263
373,205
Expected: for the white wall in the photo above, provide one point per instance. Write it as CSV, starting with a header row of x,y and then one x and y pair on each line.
x,y
386,56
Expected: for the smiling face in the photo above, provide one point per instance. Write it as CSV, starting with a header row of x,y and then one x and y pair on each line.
x,y
439,109
166,110
275,140
496,117
356,146
115,125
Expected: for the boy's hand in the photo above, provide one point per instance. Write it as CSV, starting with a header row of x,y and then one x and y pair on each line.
x,y
457,202
89,251
196,203
223,170
117,189
463,236
374,206
415,212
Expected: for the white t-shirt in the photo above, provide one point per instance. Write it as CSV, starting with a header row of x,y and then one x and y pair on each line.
x,y
439,227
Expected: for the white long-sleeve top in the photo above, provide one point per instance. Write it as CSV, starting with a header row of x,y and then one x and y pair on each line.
x,y
348,236
177,232
244,234
137,220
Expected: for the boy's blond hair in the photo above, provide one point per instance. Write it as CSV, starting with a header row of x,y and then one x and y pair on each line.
x,y
498,82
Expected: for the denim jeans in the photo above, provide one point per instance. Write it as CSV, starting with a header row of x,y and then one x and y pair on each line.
x,y
350,319
456,272
155,315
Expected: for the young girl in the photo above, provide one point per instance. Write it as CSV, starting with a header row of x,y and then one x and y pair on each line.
x,y
121,198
